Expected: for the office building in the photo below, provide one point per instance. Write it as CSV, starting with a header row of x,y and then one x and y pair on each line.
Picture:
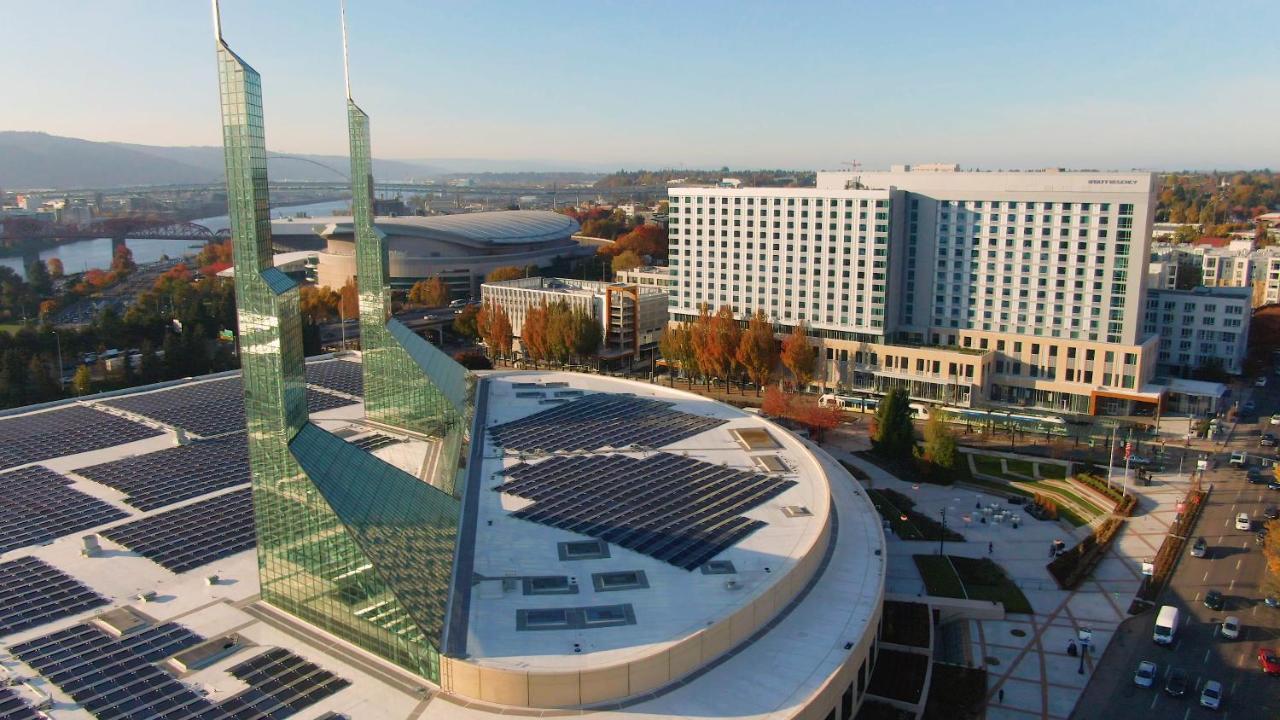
x,y
1200,329
656,278
1015,288
631,317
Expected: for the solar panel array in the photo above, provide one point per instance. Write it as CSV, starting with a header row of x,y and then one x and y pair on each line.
x,y
33,592
65,431
180,473
37,505
192,535
280,684
602,420
376,441
115,677
340,375
208,408
676,509
13,707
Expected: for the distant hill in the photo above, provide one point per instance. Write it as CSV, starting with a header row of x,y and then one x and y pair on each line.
x,y
40,160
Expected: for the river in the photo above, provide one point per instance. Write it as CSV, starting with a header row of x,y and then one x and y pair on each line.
x,y
82,255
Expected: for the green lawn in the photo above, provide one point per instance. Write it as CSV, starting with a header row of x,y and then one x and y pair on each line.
x,y
904,529
1053,471
988,465
939,577
1021,467
983,579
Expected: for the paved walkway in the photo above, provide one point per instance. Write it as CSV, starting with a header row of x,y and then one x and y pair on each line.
x,y
1030,674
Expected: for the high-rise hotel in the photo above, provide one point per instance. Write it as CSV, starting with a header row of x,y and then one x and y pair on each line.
x,y
967,288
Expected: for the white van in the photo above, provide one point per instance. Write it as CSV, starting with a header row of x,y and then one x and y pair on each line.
x,y
1166,625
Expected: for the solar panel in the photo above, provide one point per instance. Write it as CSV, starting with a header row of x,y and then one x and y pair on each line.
x,y
340,375
13,707
32,593
38,505
65,431
180,473
680,510
192,535
598,421
115,677
208,409
280,684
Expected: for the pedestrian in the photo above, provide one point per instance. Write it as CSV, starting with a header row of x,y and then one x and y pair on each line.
x,y
1001,696
991,548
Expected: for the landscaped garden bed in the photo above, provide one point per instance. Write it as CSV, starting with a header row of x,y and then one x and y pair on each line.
x,y
899,675
906,623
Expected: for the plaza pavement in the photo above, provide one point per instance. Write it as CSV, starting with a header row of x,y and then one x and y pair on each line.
x,y
1026,655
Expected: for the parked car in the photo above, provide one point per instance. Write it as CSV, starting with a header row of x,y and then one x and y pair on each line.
x,y
1146,674
1272,512
1267,440
1269,661
1261,382
1243,522
1200,548
1271,601
1230,627
1214,600
1273,484
1211,695
1249,406
1257,478
1239,459
1275,419
1176,682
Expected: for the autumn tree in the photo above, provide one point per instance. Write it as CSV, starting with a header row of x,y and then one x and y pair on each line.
x,y
626,260
465,322
318,304
799,356
55,268
676,346
494,326
701,343
724,337
82,382
757,351
349,299
939,443
432,292
776,402
892,434
506,272
816,418
533,334
122,261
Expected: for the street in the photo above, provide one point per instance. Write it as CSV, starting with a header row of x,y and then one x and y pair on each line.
x,y
1234,566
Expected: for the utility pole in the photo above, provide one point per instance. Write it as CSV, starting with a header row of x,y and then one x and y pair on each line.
x,y
942,536
58,340
1128,450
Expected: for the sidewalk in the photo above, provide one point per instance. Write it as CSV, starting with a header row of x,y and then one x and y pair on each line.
x,y
1025,655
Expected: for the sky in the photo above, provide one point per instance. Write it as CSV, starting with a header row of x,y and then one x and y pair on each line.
x,y
696,84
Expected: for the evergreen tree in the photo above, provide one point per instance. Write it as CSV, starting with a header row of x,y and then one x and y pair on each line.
x,y
38,278
151,367
43,385
939,443
894,435
13,377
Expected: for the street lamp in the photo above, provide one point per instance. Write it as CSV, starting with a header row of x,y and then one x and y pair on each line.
x,y
1083,634
942,536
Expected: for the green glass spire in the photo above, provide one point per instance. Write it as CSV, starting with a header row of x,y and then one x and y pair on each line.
x,y
408,382
345,541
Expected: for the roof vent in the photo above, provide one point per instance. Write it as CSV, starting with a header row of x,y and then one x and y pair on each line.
x,y
792,511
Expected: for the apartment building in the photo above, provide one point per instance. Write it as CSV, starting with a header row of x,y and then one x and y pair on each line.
x,y
1017,288
1200,328
1226,268
631,317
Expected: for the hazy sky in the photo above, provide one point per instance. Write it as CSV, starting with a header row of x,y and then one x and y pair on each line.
x,y
699,83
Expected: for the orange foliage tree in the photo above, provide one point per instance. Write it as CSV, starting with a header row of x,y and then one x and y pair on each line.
x,y
757,351
494,325
799,356
349,299
534,339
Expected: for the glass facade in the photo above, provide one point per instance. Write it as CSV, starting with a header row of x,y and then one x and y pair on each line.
x,y
346,541
408,383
